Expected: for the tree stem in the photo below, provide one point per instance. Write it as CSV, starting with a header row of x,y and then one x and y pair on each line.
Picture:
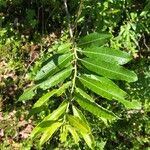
x,y
68,18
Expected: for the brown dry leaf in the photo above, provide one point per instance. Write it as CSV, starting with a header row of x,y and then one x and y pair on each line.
x,y
26,132
16,146
22,123
1,117
1,133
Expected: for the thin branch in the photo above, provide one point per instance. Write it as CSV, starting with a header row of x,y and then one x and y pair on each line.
x,y
144,41
73,47
68,18
78,15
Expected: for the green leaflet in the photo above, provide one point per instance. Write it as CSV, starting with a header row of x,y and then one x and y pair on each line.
x,y
57,78
95,39
107,89
57,63
28,93
51,117
94,108
49,132
79,114
107,54
84,94
88,138
63,134
109,70
74,134
78,123
64,48
134,104
58,112
103,87
62,89
46,97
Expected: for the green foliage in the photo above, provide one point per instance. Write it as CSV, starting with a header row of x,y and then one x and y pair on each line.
x,y
76,81
71,72
128,36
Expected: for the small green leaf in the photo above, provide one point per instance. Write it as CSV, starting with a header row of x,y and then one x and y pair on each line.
x,y
28,93
58,112
41,127
63,134
49,132
85,95
62,88
57,63
48,95
107,54
96,39
101,145
57,78
89,139
64,48
74,134
78,123
109,70
87,136
134,104
79,114
94,108
51,117
44,99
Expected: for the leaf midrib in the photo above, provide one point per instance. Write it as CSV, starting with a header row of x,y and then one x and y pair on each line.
x,y
92,41
103,54
116,97
53,66
106,69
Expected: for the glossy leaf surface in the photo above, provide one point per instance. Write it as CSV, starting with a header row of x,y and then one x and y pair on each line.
x,y
94,108
49,132
78,123
58,62
51,117
95,39
28,93
57,78
109,70
107,54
